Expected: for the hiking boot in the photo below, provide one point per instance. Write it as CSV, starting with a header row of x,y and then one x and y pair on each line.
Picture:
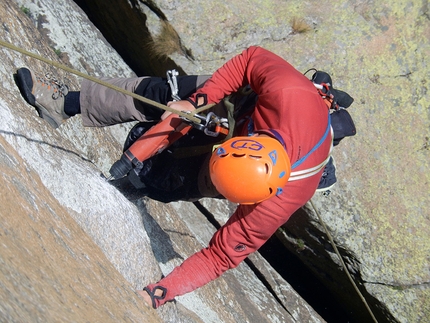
x,y
45,94
328,177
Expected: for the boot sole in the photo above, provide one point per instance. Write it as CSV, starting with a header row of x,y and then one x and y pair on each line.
x,y
22,76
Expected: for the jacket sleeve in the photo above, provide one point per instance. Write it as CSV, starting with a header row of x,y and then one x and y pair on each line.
x,y
256,66
245,232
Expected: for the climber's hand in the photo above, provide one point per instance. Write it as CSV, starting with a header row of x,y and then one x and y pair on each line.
x,y
183,105
153,294
145,296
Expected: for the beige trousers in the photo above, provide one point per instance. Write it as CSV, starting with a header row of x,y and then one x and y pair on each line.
x,y
102,106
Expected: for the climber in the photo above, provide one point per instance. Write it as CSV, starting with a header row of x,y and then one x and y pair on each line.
x,y
272,165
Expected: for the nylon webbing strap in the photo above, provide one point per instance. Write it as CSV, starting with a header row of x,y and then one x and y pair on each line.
x,y
305,173
319,143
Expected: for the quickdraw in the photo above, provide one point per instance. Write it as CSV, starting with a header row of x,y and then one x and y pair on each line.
x,y
211,124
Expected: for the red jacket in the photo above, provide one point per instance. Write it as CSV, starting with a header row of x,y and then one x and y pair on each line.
x,y
288,103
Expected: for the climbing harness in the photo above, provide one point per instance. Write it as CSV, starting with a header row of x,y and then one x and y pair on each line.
x,y
305,173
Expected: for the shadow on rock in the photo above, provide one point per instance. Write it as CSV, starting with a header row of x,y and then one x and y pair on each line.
x,y
161,244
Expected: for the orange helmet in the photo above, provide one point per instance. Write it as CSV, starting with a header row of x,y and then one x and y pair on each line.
x,y
249,170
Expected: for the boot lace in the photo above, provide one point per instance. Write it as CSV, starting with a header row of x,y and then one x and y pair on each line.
x,y
60,89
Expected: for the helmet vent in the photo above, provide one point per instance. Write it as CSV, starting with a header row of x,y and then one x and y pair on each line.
x,y
260,167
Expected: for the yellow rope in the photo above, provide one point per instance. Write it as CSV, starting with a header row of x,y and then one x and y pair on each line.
x,y
188,116
343,263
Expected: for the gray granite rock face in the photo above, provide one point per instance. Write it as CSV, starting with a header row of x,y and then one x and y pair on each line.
x,y
378,211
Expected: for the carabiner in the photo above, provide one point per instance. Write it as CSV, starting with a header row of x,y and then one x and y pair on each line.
x,y
173,82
